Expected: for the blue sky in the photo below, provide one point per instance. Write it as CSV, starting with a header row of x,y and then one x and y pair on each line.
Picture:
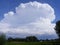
x,y
9,5
21,18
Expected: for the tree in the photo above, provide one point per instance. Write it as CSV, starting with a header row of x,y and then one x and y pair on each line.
x,y
10,39
57,28
31,38
2,39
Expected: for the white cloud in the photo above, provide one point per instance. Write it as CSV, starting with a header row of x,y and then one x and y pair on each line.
x,y
33,18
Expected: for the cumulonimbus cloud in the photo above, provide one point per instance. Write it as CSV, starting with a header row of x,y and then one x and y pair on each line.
x,y
32,18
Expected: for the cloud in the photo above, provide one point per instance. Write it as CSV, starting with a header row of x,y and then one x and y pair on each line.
x,y
32,18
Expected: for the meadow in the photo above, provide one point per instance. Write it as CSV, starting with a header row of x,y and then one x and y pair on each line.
x,y
33,43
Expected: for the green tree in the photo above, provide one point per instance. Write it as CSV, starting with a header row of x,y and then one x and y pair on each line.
x,y
57,28
2,39
10,39
31,38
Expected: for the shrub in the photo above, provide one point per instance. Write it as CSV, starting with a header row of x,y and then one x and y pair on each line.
x,y
2,39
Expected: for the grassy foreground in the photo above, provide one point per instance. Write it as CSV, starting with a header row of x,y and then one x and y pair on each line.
x,y
33,43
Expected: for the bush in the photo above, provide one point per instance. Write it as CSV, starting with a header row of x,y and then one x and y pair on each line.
x,y
2,39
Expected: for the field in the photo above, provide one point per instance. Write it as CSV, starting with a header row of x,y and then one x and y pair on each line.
x,y
33,43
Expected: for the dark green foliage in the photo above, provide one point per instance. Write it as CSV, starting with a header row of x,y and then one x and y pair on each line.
x,y
16,39
10,39
27,39
57,28
2,39
31,38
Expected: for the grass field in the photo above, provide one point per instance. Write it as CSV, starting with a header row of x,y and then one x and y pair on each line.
x,y
33,43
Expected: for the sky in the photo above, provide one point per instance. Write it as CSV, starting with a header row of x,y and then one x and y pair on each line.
x,y
21,18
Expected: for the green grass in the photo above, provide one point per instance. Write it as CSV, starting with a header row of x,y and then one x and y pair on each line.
x,y
33,43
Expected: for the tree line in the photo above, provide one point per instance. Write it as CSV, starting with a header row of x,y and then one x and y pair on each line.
x,y
27,39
